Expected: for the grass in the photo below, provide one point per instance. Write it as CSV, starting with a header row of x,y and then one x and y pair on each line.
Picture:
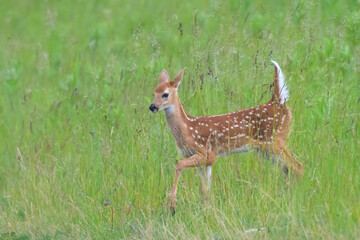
x,y
76,82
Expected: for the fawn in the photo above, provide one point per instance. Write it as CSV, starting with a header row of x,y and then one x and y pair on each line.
x,y
200,140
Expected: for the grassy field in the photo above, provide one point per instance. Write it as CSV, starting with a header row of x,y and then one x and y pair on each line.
x,y
77,78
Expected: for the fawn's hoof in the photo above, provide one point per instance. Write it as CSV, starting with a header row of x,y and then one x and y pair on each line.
x,y
172,210
172,206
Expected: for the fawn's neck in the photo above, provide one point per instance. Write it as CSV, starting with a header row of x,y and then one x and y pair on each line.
x,y
177,120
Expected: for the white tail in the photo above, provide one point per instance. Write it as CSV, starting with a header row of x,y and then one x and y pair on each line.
x,y
282,88
202,139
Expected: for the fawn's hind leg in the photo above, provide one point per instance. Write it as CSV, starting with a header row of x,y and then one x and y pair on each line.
x,y
282,157
276,160
296,167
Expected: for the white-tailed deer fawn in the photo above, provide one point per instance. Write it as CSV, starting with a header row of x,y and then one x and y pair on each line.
x,y
202,139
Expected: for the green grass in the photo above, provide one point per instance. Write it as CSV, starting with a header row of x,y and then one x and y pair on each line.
x,y
76,82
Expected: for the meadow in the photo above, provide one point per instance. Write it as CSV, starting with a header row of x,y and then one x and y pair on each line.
x,y
82,157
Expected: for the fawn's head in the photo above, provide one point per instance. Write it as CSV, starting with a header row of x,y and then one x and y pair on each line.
x,y
165,94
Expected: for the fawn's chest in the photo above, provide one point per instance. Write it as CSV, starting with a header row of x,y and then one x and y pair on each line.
x,y
179,135
177,126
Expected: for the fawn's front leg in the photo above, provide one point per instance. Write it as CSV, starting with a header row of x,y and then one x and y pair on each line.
x,y
205,182
192,161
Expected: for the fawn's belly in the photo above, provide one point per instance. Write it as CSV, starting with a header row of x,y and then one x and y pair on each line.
x,y
241,149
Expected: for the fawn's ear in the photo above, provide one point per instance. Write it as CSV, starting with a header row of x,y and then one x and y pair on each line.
x,y
164,76
178,78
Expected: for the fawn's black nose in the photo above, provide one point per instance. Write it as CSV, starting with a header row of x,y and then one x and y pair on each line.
x,y
153,108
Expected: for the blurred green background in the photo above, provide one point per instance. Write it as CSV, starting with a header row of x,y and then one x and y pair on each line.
x,y
76,80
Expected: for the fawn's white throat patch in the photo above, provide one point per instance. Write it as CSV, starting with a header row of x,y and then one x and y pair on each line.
x,y
170,109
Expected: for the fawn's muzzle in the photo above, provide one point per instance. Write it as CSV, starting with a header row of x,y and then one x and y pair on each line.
x,y
153,108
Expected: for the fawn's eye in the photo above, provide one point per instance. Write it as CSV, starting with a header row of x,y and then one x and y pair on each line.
x,y
165,95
